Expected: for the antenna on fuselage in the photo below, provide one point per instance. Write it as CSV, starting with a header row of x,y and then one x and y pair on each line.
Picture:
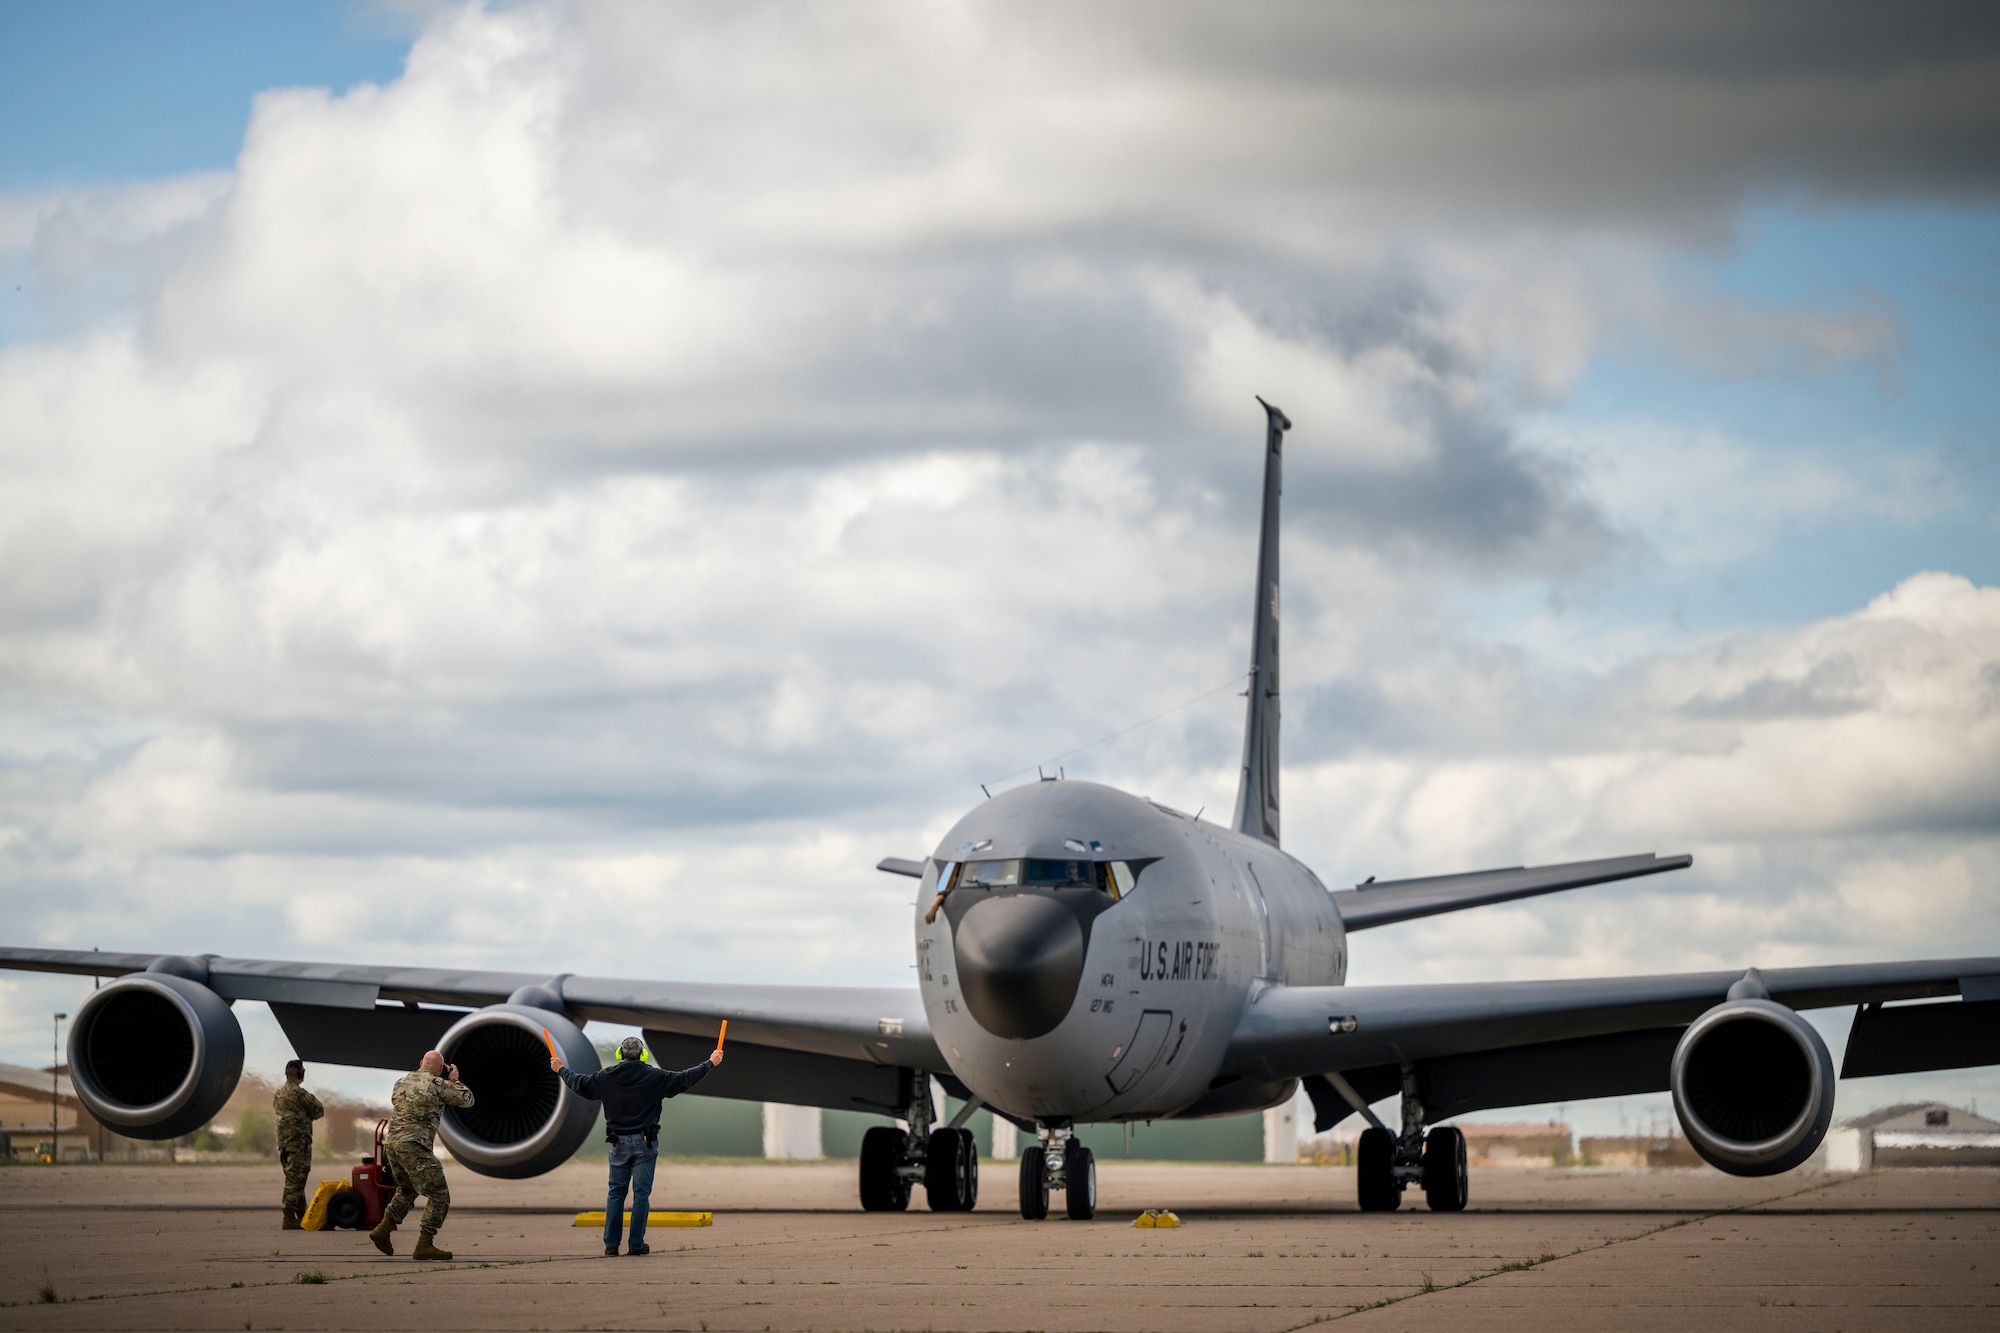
x,y
1257,789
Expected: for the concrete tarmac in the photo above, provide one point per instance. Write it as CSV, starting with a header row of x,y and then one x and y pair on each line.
x,y
1261,1248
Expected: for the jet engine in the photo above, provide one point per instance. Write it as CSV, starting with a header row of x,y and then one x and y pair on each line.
x,y
522,1121
1753,1086
154,1055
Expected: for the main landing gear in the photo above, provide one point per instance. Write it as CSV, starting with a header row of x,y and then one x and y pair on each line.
x,y
1058,1162
946,1160
1385,1164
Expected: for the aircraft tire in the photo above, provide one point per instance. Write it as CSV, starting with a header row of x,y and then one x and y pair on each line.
x,y
1446,1187
1080,1196
950,1164
1034,1184
882,1190
970,1146
1374,1172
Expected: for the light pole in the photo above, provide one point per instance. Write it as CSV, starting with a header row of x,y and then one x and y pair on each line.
x,y
55,1092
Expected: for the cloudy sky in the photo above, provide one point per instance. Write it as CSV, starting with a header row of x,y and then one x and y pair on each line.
x,y
569,487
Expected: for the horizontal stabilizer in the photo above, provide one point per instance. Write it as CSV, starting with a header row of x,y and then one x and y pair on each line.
x,y
1386,903
901,865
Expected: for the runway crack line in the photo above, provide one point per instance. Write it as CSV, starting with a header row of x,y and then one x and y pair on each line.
x,y
1430,1288
321,1278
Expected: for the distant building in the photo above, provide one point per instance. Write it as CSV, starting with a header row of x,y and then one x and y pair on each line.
x,y
1638,1150
1517,1145
1913,1134
26,1099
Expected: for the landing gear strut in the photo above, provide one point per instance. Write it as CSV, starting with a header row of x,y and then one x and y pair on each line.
x,y
945,1160
1386,1164
1058,1162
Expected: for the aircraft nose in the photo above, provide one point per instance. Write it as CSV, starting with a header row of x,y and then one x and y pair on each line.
x,y
1020,959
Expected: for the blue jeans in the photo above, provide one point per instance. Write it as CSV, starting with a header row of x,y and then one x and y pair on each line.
x,y
632,1163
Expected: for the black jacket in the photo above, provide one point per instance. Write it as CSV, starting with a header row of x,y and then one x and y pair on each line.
x,y
632,1092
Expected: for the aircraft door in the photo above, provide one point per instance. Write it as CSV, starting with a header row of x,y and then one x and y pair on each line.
x,y
1246,875
1142,1050
1308,935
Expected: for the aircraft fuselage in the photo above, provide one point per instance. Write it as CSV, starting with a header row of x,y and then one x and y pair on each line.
x,y
1095,952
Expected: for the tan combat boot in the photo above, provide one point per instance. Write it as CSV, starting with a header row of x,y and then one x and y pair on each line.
x,y
291,1221
427,1248
380,1235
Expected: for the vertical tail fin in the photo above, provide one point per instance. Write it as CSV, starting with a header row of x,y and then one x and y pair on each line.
x,y
1257,790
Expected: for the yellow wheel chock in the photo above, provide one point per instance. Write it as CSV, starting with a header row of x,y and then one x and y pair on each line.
x,y
653,1219
315,1218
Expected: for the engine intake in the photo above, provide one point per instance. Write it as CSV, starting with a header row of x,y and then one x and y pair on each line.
x,y
154,1055
1753,1087
523,1121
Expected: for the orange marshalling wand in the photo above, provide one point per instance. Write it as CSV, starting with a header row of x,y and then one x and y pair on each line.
x,y
551,1041
720,1035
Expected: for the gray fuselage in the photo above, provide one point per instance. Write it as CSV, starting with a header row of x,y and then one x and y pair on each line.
x,y
1088,1001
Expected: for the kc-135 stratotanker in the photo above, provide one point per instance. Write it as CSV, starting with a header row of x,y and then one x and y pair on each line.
x,y
1083,956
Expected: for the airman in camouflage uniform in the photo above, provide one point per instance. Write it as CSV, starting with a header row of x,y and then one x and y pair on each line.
x,y
417,1103
297,1109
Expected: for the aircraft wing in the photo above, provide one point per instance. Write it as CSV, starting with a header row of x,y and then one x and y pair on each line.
x,y
1385,903
1480,1045
786,1039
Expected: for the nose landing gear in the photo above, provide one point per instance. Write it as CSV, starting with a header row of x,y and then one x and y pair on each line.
x,y
1386,1164
1058,1162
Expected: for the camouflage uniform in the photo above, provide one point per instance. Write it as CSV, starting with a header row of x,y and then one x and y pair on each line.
x,y
417,1103
296,1109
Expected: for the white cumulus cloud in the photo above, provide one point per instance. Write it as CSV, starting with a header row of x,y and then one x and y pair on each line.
x,y
646,463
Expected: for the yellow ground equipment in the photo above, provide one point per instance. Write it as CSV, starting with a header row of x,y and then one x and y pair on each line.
x,y
1156,1217
315,1218
596,1219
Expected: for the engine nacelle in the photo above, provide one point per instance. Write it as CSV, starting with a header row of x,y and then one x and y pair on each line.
x,y
1753,1086
154,1055
523,1121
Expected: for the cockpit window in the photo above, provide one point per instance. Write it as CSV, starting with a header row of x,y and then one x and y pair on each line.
x,y
1109,877
1061,874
